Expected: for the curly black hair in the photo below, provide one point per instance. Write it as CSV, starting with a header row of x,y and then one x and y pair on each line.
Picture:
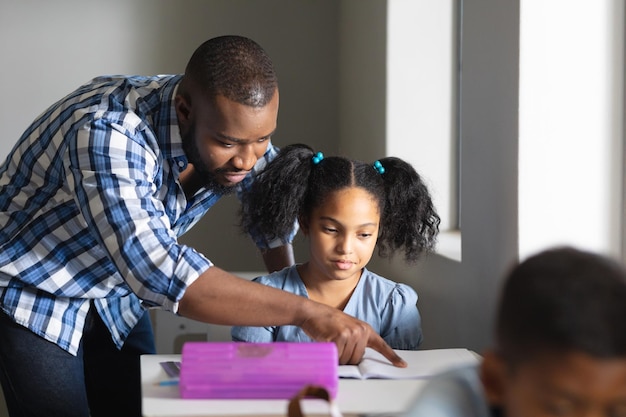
x,y
561,300
292,185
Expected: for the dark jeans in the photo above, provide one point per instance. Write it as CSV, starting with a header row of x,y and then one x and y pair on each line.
x,y
40,379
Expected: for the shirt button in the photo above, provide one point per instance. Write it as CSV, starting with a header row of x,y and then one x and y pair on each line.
x,y
181,164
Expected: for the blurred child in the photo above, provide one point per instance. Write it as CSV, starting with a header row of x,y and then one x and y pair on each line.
x,y
560,346
346,209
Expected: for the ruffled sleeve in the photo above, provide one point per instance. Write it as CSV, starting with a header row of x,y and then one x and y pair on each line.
x,y
401,325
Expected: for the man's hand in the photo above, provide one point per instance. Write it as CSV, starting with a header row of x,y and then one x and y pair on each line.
x,y
221,298
350,335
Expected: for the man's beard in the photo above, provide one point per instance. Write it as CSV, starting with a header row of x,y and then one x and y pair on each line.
x,y
208,178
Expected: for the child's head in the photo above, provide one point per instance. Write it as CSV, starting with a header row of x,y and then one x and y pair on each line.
x,y
296,186
560,338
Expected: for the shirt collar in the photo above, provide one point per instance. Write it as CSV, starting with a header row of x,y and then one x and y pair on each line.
x,y
167,129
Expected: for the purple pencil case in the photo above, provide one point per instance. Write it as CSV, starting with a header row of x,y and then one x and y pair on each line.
x,y
237,370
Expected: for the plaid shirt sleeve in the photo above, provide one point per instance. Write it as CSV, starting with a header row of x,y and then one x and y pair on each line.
x,y
114,164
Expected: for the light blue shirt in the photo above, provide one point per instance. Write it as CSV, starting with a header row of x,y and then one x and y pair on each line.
x,y
389,307
454,393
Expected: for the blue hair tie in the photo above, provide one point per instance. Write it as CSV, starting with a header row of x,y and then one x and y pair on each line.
x,y
317,158
379,167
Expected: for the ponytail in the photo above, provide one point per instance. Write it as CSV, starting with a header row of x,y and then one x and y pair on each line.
x,y
272,205
409,220
298,180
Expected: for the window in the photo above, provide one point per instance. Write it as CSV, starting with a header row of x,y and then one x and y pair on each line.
x,y
422,102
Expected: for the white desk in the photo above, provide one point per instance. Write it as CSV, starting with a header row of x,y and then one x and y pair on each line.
x,y
355,397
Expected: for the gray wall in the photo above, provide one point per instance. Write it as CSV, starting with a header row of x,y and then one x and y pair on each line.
x,y
49,48
330,57
457,299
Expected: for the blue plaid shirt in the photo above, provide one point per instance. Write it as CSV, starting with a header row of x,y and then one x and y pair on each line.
x,y
91,208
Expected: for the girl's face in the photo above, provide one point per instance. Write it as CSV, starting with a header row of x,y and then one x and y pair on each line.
x,y
342,234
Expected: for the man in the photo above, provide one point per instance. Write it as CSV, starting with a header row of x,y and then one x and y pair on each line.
x,y
92,200
560,346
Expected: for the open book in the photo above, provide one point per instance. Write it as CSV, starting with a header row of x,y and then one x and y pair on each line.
x,y
421,364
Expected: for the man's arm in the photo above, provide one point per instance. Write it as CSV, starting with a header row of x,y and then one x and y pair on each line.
x,y
222,298
278,258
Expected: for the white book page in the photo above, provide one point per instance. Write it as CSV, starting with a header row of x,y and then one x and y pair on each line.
x,y
421,364
350,371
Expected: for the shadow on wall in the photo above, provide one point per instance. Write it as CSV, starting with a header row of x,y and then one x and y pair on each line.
x,y
3,408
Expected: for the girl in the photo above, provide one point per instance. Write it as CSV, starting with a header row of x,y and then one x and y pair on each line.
x,y
346,209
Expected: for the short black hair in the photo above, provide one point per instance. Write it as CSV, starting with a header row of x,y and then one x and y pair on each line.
x,y
235,67
563,300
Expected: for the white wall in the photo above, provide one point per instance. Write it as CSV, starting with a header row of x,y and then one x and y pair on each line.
x,y
47,49
421,96
571,125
